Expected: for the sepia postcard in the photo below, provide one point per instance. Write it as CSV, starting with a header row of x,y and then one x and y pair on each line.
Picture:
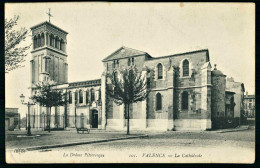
x,y
101,82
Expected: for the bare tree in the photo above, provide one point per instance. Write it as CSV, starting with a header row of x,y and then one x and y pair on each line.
x,y
128,86
14,53
45,95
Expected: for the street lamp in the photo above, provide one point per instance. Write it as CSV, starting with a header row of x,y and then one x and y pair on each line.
x,y
29,104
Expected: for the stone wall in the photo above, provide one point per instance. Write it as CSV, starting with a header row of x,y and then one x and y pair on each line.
x,y
194,84
170,87
85,108
116,114
236,87
218,101
123,63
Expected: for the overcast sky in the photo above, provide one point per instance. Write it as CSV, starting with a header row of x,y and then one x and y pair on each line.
x,y
98,29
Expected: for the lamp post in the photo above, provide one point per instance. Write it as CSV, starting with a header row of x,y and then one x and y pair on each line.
x,y
29,104
75,115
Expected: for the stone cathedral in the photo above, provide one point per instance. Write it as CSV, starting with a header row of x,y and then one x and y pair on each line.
x,y
186,92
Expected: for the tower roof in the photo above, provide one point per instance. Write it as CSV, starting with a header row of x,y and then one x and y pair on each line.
x,y
216,72
50,24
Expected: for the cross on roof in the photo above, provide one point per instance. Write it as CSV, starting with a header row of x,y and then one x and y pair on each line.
x,y
49,14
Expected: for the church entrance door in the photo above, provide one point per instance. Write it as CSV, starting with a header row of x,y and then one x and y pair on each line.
x,y
94,119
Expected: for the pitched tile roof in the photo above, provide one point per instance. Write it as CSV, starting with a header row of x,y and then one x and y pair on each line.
x,y
123,52
95,82
48,23
180,54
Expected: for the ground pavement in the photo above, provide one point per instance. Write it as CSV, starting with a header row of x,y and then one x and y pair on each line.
x,y
169,147
41,138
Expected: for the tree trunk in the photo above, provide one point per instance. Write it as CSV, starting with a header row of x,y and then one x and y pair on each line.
x,y
49,122
65,111
56,118
128,124
47,118
65,116
75,116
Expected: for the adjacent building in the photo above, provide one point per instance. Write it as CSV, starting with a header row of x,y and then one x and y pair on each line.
x,y
239,89
12,119
249,101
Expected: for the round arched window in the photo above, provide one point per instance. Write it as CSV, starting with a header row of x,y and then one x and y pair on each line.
x,y
160,71
185,68
158,101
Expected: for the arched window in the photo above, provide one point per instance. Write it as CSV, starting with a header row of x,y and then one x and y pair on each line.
x,y
133,61
52,40
114,63
62,45
185,68
184,100
131,74
76,97
115,75
158,101
87,97
99,94
148,80
70,98
39,40
129,62
58,44
42,40
160,71
35,42
92,94
80,96
47,39
56,41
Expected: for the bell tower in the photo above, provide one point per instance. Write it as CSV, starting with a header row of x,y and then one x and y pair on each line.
x,y
49,56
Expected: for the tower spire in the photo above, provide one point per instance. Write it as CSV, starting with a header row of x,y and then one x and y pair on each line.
x,y
49,14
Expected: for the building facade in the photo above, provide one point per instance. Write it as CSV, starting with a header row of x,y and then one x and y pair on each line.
x,y
250,105
239,90
12,119
185,92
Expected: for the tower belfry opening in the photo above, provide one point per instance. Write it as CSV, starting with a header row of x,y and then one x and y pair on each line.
x,y
49,56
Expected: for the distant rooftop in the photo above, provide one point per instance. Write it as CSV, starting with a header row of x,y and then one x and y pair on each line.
x,y
11,110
